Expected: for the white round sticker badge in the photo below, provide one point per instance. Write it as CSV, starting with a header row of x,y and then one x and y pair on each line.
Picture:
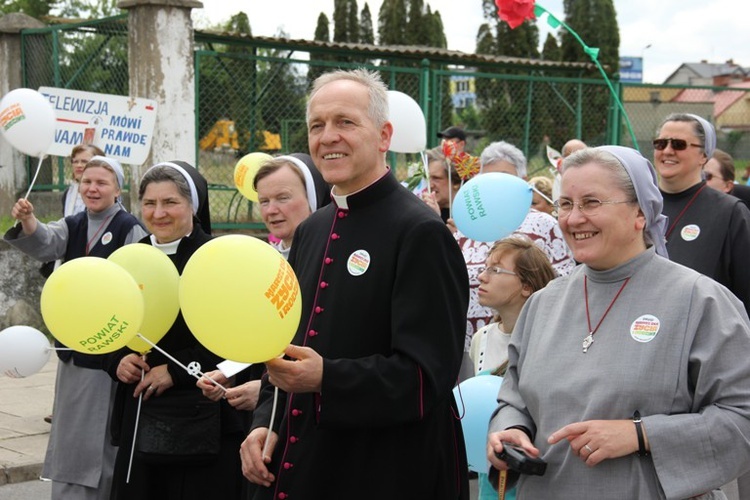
x,y
106,238
358,262
690,232
645,328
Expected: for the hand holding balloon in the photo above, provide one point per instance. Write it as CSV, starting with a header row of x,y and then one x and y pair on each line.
x,y
23,211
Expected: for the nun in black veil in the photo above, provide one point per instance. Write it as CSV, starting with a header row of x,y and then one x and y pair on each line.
x,y
186,445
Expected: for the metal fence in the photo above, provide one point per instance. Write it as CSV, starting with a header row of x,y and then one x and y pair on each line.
x,y
251,93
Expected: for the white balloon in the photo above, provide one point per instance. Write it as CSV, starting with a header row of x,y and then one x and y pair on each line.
x,y
27,121
409,124
23,351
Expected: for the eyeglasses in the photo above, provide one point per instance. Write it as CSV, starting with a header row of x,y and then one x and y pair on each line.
x,y
495,270
587,206
709,176
677,144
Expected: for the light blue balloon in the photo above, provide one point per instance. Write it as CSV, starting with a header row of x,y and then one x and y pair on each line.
x,y
476,398
491,206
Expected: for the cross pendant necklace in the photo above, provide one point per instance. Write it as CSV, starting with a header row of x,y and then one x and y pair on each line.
x,y
589,339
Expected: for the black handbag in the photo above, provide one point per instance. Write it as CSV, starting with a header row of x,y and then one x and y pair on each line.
x,y
180,426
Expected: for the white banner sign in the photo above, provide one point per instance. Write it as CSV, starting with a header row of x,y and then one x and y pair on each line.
x,y
121,126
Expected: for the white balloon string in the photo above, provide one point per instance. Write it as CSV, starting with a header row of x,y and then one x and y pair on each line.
x,y
198,375
59,348
541,194
135,429
38,167
270,425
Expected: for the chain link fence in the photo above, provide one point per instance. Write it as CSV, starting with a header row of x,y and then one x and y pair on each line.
x,y
251,97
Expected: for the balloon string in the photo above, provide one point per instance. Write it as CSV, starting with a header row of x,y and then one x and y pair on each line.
x,y
533,188
135,429
38,167
197,374
60,348
594,55
270,425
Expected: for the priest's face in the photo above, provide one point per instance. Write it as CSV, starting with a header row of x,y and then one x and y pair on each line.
x,y
345,143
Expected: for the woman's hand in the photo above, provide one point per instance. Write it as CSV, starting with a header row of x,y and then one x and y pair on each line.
x,y
514,436
211,390
245,396
156,381
130,368
23,211
597,440
253,459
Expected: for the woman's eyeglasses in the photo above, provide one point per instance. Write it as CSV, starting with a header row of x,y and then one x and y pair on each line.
x,y
677,144
495,270
587,206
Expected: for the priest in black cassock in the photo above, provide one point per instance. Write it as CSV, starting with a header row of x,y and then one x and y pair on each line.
x,y
365,406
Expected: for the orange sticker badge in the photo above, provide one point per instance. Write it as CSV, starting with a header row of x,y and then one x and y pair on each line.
x,y
645,328
690,232
358,262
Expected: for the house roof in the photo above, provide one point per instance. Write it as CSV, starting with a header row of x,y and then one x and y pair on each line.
x,y
722,100
706,69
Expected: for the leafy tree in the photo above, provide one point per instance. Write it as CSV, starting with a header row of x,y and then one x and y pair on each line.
x,y
33,8
551,49
503,103
322,34
392,22
366,33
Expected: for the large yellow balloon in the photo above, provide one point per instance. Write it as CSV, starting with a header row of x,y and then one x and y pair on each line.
x,y
240,298
92,305
244,173
158,280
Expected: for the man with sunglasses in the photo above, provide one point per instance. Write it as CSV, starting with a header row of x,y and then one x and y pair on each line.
x,y
708,230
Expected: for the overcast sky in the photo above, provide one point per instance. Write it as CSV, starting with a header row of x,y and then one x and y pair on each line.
x,y
677,31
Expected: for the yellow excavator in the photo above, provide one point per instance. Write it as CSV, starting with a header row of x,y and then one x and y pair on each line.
x,y
223,138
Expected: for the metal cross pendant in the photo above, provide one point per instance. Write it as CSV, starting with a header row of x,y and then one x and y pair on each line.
x,y
587,342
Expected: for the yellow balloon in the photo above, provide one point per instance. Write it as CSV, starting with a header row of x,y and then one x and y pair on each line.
x,y
158,280
92,305
244,173
240,298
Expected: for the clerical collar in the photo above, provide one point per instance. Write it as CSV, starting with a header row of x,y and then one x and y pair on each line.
x,y
168,248
341,200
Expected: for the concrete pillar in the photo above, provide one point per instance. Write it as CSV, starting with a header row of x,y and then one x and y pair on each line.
x,y
12,169
160,58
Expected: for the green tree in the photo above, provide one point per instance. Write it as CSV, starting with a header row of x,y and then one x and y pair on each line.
x,y
392,22
366,33
504,103
33,8
322,34
551,49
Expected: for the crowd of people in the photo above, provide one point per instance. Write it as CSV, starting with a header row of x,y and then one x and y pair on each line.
x,y
616,314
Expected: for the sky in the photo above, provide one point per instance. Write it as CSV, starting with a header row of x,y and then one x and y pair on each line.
x,y
666,33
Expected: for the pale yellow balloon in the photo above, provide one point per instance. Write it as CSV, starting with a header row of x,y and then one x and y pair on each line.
x,y
158,281
244,173
92,305
240,298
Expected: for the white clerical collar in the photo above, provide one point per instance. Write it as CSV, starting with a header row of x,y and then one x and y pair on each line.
x,y
341,199
168,248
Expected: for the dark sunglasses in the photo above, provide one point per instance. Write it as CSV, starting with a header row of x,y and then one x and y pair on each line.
x,y
708,176
677,144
